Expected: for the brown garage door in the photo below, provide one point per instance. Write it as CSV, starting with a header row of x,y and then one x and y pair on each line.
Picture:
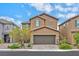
x,y
44,39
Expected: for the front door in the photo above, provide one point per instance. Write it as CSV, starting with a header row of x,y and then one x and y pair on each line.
x,y
6,38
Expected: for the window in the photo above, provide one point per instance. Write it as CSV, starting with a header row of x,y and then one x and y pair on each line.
x,y
27,25
64,24
77,23
49,24
6,27
37,23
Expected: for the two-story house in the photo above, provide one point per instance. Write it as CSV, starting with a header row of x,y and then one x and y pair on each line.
x,y
69,28
43,29
5,28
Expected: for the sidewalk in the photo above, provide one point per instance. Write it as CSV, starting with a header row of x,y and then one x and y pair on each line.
x,y
3,47
38,50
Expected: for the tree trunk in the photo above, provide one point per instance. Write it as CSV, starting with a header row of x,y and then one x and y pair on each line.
x,y
22,44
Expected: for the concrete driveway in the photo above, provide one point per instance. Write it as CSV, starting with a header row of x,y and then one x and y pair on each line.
x,y
44,46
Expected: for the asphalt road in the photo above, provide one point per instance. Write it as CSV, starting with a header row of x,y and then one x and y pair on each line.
x,y
40,53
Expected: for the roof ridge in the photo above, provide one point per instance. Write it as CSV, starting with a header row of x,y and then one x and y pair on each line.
x,y
69,20
4,21
48,15
43,14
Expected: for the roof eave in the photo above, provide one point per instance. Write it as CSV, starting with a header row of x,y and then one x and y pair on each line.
x,y
44,14
69,20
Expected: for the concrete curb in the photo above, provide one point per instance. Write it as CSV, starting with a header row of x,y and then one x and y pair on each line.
x,y
39,50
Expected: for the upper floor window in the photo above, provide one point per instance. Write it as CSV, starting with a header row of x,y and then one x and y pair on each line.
x,y
64,24
37,23
49,24
6,27
77,23
25,25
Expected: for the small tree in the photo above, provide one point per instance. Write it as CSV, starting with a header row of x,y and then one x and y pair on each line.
x,y
15,34
25,35
1,41
76,36
64,44
20,35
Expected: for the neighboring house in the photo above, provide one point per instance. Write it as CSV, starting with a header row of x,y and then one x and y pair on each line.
x,y
5,28
25,24
43,29
69,28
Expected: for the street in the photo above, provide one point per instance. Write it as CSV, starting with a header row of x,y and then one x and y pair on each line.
x,y
39,53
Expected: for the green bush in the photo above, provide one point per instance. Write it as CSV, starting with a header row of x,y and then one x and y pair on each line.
x,y
63,41
14,46
76,37
29,45
1,41
65,46
78,46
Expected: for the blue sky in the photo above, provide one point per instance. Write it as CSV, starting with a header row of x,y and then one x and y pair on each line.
x,y
19,12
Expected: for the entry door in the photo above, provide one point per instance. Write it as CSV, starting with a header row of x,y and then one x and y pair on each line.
x,y
6,38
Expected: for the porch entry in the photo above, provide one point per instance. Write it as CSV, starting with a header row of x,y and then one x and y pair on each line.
x,y
6,38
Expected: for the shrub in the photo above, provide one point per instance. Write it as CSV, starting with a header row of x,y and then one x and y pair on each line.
x,y
65,46
29,45
78,46
76,37
14,46
63,41
1,41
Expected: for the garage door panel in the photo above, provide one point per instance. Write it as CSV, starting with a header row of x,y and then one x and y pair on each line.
x,y
44,39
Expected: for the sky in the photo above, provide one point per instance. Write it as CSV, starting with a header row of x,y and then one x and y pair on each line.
x,y
21,12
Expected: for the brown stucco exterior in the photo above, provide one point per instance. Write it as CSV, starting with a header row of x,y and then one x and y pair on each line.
x,y
44,29
44,20
68,28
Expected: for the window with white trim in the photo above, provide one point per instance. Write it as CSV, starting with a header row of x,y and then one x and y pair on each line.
x,y
77,23
37,23
49,24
